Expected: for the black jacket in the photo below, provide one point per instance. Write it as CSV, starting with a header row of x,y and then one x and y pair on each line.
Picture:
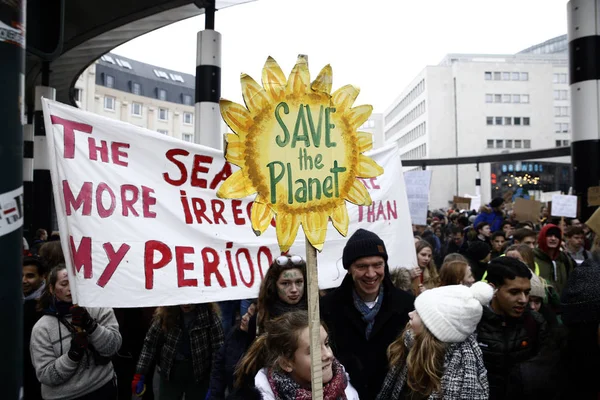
x,y
507,342
365,360
31,385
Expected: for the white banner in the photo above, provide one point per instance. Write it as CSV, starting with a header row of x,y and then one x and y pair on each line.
x,y
11,211
417,192
139,214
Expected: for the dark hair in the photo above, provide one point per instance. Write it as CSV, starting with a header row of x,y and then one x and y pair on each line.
x,y
455,229
481,225
503,268
45,299
39,233
506,222
520,234
522,225
52,254
267,296
37,262
168,316
574,230
497,234
462,220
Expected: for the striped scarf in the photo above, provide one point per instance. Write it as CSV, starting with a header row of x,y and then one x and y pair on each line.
x,y
368,314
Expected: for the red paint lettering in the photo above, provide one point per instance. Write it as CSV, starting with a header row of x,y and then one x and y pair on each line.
x,y
82,256
199,207
246,252
221,176
69,133
228,246
127,203
94,150
198,168
217,208
147,202
181,166
102,211
83,198
211,267
114,259
150,264
182,266
117,153
264,250
235,204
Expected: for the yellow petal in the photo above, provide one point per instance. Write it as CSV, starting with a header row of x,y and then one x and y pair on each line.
x,y
261,217
287,229
299,79
237,186
324,80
358,194
367,167
359,115
340,219
273,79
364,142
344,97
233,150
235,115
255,97
315,228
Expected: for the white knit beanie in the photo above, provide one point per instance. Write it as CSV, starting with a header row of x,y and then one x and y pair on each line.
x,y
537,287
451,313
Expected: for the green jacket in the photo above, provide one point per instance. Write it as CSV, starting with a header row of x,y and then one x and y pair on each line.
x,y
554,272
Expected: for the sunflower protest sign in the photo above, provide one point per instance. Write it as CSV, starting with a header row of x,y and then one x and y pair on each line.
x,y
298,148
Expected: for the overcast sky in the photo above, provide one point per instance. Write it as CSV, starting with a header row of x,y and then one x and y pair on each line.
x,y
377,45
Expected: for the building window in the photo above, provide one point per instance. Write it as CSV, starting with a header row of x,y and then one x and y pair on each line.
x,y
497,98
564,127
515,76
164,132
559,143
565,143
489,98
524,76
524,98
508,144
163,114
161,74
77,94
109,81
518,144
136,89
498,120
526,121
557,94
559,78
497,76
507,120
187,99
490,144
487,75
557,127
561,111
506,76
109,103
506,98
136,109
188,118
527,143
517,121
561,95
188,137
489,120
162,94
499,144
516,98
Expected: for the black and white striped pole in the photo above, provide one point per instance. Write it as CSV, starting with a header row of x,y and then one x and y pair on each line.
x,y
584,75
207,129
42,183
28,229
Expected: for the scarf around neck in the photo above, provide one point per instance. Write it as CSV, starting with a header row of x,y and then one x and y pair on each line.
x,y
368,314
36,293
285,388
279,307
59,308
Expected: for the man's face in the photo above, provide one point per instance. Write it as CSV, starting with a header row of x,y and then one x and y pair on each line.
x,y
485,231
544,212
498,243
508,230
44,236
576,222
552,241
528,240
31,279
511,298
575,241
457,238
367,274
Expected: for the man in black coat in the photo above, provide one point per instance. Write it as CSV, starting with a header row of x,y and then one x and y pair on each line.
x,y
366,313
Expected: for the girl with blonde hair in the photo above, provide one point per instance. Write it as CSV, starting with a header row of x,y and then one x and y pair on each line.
x,y
427,274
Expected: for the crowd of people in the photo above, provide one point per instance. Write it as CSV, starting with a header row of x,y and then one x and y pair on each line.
x,y
494,309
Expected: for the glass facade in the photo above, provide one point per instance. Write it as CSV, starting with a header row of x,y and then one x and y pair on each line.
x,y
531,176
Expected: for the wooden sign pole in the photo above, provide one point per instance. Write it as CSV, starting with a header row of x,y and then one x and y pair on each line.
x,y
314,322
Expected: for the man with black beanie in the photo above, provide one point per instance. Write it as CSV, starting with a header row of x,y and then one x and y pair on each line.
x,y
366,313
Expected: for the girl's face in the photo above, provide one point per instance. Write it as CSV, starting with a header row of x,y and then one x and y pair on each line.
x,y
290,286
468,280
415,322
535,303
299,367
61,289
424,257
246,318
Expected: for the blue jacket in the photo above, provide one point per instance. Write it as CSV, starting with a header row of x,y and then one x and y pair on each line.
x,y
491,217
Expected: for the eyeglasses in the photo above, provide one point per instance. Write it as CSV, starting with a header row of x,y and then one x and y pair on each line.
x,y
283,260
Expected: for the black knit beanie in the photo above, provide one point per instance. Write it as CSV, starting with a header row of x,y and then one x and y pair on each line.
x,y
478,250
363,243
580,300
497,202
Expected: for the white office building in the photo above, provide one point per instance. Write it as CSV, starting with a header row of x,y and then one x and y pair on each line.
x,y
480,104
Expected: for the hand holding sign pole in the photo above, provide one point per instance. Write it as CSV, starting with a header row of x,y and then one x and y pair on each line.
x,y
298,148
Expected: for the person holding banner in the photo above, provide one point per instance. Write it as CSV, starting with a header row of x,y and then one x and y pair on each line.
x,y
282,357
437,355
71,346
366,313
187,337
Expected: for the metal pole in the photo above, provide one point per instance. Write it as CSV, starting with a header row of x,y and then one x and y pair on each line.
x,y
28,229
12,111
478,182
584,74
207,129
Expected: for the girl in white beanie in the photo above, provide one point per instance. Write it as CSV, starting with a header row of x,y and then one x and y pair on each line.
x,y
437,355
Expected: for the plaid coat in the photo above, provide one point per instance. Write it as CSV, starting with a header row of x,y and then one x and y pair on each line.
x,y
465,376
206,338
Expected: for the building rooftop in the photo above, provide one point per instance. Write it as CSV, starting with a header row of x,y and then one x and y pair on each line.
x,y
555,45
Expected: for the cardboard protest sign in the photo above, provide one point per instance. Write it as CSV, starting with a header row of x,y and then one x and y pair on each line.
x,y
564,205
527,210
593,196
141,224
594,221
463,203
417,191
